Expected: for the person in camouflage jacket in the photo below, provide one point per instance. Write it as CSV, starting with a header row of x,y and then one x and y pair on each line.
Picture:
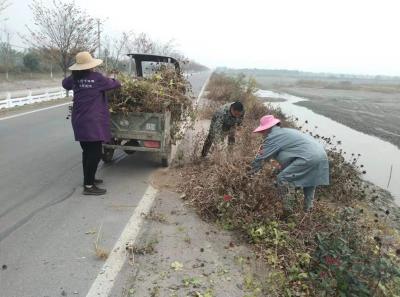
x,y
223,123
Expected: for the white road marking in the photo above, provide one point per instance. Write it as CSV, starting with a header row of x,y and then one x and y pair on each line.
x,y
33,111
185,127
104,282
203,88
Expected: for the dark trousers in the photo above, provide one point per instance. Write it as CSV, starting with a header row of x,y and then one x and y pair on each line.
x,y
211,138
91,155
207,145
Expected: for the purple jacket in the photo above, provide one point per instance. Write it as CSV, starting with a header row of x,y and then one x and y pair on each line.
x,y
90,113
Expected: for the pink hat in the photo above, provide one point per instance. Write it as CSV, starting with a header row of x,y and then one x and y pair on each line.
x,y
267,122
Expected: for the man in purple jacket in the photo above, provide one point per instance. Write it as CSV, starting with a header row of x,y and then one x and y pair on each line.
x,y
90,115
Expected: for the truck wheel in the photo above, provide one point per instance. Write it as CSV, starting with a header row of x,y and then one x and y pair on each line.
x,y
108,154
132,142
164,162
166,157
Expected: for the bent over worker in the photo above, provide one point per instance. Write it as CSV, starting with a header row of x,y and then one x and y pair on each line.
x,y
302,159
224,122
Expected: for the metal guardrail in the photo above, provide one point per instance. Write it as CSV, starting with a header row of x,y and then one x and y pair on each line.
x,y
29,99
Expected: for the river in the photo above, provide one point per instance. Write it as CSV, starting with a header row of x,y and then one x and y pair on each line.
x,y
377,156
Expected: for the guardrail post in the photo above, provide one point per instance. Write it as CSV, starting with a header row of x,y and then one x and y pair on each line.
x,y
47,98
30,101
8,100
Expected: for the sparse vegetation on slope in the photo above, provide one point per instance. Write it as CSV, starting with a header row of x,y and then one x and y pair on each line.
x,y
343,248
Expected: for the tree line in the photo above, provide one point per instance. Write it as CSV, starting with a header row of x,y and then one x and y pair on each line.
x,y
62,29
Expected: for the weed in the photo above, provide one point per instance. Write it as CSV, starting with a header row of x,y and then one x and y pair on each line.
x,y
177,266
155,292
146,249
252,285
100,252
181,229
157,217
192,282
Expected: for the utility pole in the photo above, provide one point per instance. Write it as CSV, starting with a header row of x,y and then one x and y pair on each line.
x,y
7,55
98,37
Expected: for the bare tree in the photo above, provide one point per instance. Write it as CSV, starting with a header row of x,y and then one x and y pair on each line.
x,y
144,44
166,49
3,5
130,42
140,43
115,48
7,54
62,30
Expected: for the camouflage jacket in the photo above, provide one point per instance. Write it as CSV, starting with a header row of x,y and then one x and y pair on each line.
x,y
223,121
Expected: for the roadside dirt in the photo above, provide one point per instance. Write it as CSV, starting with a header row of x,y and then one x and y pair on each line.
x,y
178,254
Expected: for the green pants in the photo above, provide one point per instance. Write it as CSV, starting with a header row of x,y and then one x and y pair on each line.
x,y
287,192
212,138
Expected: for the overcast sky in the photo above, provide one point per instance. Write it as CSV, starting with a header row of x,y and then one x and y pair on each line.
x,y
347,36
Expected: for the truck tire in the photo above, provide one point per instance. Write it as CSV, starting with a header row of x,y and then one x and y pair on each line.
x,y
166,157
164,162
108,155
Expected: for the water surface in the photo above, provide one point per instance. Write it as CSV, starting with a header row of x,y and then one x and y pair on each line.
x,y
377,156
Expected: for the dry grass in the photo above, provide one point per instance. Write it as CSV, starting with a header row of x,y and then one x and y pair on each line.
x,y
312,255
207,110
100,252
146,249
164,90
157,217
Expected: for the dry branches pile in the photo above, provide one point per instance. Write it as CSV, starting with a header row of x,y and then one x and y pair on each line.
x,y
164,90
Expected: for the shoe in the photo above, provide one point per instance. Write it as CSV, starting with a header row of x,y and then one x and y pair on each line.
x,y
93,191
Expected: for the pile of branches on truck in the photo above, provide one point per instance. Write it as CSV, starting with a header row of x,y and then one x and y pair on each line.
x,y
165,90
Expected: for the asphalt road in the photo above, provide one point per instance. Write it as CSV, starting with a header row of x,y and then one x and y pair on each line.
x,y
47,228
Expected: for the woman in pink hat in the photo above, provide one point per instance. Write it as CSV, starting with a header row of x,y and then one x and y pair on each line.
x,y
303,160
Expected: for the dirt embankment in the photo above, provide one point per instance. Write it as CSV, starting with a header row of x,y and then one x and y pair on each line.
x,y
372,113
364,104
336,250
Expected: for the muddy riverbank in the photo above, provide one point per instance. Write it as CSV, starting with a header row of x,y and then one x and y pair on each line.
x,y
373,113
376,156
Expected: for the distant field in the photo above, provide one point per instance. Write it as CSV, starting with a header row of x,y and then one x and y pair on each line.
x,y
28,76
25,81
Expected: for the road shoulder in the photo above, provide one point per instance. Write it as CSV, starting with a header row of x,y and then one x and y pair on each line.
x,y
178,254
